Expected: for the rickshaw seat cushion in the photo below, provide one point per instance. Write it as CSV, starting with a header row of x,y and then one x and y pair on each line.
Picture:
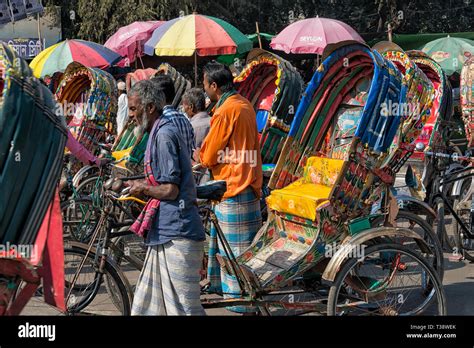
x,y
299,199
118,155
303,197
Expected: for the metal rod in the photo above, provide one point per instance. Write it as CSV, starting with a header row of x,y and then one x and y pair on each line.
x,y
258,35
195,69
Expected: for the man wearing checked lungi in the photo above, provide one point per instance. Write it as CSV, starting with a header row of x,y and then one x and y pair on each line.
x,y
231,151
173,231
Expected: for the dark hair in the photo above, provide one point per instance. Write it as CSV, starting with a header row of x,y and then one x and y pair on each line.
x,y
165,83
221,75
195,97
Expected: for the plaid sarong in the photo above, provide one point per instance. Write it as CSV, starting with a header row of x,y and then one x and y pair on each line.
x,y
240,219
169,281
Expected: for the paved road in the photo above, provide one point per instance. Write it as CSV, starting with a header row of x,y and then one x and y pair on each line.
x,y
458,285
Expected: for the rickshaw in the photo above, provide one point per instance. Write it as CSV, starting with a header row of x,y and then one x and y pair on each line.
x,y
31,151
274,88
88,97
341,156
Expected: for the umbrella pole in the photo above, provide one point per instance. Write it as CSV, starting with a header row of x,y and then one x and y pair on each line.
x,y
195,69
258,35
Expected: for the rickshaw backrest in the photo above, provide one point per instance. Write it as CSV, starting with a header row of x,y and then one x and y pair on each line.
x,y
418,95
467,98
441,109
32,144
274,87
317,112
181,85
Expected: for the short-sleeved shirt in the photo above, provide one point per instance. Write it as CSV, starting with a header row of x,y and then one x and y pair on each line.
x,y
171,163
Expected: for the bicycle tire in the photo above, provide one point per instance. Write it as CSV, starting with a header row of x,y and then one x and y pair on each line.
x,y
352,263
110,272
81,189
459,240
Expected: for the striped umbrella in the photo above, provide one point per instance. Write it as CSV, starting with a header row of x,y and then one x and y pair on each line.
x,y
197,35
59,56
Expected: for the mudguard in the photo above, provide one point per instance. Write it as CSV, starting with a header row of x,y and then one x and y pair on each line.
x,y
352,243
81,174
414,205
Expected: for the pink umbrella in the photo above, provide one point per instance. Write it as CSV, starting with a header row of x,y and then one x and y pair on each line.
x,y
312,35
128,41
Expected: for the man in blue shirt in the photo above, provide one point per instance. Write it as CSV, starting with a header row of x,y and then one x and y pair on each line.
x,y
169,281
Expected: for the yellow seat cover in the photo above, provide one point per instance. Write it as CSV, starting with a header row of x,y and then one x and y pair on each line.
x,y
123,154
303,197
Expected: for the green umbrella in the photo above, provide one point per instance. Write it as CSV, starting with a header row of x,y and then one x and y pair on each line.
x,y
228,59
450,52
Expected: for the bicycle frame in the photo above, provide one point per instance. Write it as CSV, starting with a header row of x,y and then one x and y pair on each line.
x,y
105,242
445,199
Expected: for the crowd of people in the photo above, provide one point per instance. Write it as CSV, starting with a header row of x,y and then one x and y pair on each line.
x,y
170,223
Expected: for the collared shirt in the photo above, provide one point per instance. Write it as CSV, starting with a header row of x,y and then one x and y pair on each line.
x,y
201,123
171,163
232,149
184,126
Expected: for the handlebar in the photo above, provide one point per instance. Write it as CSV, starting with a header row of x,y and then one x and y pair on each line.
x,y
124,196
454,157
129,178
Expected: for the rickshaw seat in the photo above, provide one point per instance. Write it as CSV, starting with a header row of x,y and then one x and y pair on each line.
x,y
279,246
303,197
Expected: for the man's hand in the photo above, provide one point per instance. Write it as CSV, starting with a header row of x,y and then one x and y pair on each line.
x,y
196,155
137,187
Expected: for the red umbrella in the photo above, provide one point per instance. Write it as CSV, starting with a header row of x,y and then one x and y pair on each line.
x,y
312,35
128,41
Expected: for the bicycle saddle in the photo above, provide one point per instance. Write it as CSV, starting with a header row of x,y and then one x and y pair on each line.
x,y
212,190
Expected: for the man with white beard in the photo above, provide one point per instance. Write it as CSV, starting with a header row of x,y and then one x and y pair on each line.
x,y
170,222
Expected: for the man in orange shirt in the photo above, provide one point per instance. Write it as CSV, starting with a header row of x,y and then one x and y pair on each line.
x,y
231,151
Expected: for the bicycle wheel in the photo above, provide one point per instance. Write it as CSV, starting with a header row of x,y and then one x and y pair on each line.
x,y
106,293
445,228
80,217
447,224
87,186
390,279
409,220
464,245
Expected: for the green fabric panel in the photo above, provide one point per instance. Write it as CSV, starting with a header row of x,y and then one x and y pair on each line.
x,y
417,41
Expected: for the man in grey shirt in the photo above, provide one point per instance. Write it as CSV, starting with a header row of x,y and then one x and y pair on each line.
x,y
194,105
